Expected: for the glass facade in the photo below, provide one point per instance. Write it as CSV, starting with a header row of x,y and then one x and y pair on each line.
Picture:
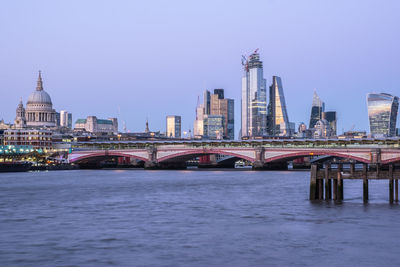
x,y
254,98
173,126
214,126
277,119
382,113
316,110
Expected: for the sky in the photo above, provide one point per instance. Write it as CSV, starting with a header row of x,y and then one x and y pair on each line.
x,y
149,59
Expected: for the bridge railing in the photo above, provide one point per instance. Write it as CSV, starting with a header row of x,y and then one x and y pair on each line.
x,y
290,143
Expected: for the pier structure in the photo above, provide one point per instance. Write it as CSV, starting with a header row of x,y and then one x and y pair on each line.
x,y
327,180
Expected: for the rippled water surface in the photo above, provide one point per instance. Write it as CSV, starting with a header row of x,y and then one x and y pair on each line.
x,y
196,218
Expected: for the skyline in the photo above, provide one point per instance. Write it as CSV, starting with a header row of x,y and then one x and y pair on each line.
x,y
95,60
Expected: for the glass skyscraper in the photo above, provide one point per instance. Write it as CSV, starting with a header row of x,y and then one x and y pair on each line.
x,y
316,110
254,98
277,119
382,113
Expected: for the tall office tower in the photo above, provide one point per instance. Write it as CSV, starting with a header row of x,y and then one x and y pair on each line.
x,y
316,110
277,118
198,122
254,97
330,117
225,107
69,124
382,113
174,126
207,102
64,118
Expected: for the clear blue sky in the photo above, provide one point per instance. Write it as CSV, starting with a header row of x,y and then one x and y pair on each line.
x,y
153,58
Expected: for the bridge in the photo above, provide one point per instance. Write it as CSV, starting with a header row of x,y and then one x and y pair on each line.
x,y
260,153
379,158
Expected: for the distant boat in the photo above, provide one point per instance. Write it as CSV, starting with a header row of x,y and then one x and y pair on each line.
x,y
19,166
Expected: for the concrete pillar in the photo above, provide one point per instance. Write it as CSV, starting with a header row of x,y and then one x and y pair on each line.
x,y
313,181
365,183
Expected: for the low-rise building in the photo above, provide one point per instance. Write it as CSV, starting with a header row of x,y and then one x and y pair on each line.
x,y
37,138
94,125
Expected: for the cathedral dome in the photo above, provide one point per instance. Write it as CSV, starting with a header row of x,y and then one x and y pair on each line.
x,y
39,110
39,97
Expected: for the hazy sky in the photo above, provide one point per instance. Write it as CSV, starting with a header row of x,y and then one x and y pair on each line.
x,y
138,59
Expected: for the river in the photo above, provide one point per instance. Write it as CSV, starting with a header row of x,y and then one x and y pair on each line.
x,y
191,218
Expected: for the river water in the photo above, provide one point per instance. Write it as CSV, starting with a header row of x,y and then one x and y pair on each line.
x,y
191,218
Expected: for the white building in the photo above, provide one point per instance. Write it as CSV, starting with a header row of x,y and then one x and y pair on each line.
x,y
93,125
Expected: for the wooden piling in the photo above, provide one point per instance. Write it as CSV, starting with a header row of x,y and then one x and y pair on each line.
x,y
339,195
365,183
391,191
396,190
327,182
321,189
313,181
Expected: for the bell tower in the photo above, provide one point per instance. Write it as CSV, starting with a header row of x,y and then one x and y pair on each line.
x,y
20,121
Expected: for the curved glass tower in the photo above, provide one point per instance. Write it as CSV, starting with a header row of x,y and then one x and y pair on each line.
x,y
382,113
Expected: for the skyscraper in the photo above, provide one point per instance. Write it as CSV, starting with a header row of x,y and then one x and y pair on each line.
x,y
207,102
277,119
174,126
254,97
382,113
225,107
208,116
316,110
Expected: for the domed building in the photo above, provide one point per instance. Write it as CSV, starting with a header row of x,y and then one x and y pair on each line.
x,y
39,110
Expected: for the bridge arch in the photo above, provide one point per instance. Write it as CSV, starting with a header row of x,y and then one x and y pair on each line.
x,y
290,155
187,155
105,154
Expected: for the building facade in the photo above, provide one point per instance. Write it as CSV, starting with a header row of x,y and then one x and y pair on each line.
x,y
65,119
37,138
215,105
330,117
174,125
254,98
318,106
39,112
277,118
198,126
322,129
213,126
382,114
93,125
